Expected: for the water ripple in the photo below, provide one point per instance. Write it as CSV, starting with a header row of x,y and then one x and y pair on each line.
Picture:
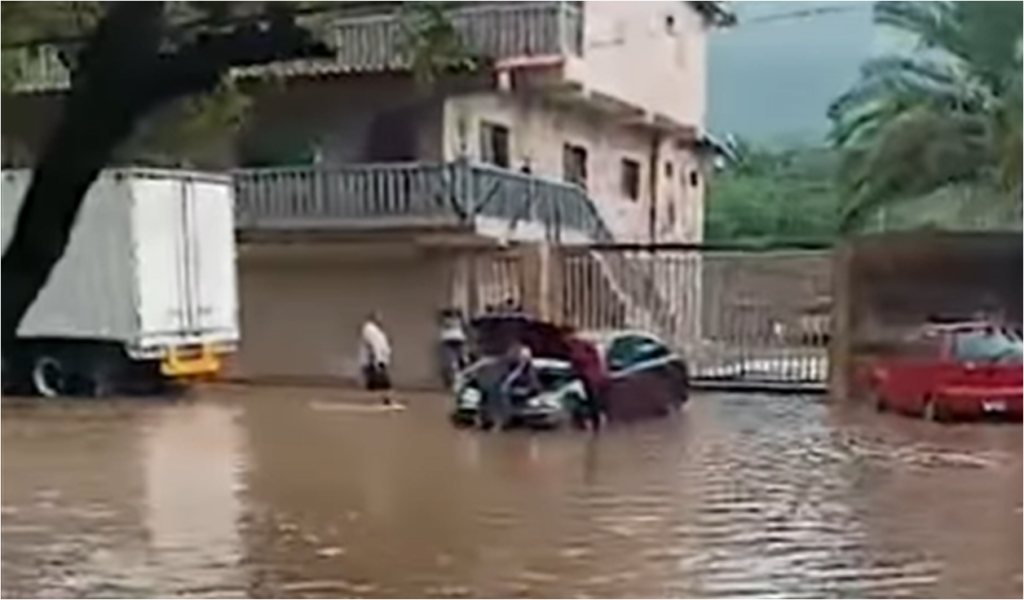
x,y
248,495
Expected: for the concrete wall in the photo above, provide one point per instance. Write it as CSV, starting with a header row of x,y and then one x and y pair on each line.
x,y
539,129
651,54
302,314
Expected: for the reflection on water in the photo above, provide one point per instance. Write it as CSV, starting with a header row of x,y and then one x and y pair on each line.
x,y
191,460
121,501
264,493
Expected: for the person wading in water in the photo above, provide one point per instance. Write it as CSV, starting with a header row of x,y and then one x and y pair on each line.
x,y
453,344
375,357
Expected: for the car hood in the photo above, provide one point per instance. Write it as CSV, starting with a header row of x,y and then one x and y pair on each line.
x,y
495,334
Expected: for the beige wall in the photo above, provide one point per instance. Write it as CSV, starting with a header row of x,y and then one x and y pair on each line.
x,y
651,54
538,131
301,315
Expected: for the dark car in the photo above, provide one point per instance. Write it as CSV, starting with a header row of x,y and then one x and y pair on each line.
x,y
559,399
622,377
561,394
644,378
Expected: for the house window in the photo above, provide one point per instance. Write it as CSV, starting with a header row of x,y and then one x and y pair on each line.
x,y
494,144
694,178
670,170
574,164
670,24
629,182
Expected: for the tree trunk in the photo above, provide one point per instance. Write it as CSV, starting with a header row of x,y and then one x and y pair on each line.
x,y
100,111
123,75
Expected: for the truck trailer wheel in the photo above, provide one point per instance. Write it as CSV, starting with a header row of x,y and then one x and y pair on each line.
x,y
73,374
7,379
50,378
5,376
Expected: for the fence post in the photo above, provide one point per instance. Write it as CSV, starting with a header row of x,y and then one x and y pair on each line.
x,y
546,307
472,264
530,274
840,350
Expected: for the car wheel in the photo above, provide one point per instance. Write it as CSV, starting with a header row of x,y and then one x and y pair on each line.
x,y
7,379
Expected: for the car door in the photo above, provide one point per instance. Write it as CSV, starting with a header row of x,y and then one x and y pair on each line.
x,y
644,379
907,376
643,354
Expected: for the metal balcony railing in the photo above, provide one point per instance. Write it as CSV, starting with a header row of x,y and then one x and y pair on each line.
x,y
367,196
38,70
493,30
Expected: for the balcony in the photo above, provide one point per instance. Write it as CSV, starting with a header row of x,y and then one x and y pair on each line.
x,y
374,43
458,195
495,30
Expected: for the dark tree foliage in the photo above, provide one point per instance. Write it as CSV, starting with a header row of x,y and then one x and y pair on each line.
x,y
130,42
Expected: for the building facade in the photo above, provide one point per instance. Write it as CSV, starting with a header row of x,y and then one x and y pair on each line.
x,y
620,110
584,125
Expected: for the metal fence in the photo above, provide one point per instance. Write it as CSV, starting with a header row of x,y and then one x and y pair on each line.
x,y
488,278
740,317
410,194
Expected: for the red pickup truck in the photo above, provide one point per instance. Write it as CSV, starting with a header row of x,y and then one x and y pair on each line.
x,y
966,370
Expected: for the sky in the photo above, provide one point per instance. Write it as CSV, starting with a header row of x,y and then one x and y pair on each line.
x,y
772,81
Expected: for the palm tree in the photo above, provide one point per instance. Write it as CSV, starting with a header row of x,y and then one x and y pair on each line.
x,y
943,121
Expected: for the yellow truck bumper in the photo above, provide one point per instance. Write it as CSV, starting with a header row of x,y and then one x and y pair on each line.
x,y
192,363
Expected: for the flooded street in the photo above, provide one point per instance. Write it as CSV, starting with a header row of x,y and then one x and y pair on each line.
x,y
287,493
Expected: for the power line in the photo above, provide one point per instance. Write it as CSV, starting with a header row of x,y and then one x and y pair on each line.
x,y
806,13
355,7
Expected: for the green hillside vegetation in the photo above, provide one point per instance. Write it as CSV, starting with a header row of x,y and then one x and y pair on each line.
x,y
772,196
928,137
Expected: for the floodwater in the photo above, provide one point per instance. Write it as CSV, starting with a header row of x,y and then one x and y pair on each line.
x,y
291,493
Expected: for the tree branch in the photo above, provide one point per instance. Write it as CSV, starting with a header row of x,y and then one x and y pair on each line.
x,y
122,75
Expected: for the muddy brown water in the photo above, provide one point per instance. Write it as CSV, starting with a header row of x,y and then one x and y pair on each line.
x,y
287,493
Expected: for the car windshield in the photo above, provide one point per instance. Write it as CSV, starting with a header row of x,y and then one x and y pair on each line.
x,y
552,378
630,350
988,346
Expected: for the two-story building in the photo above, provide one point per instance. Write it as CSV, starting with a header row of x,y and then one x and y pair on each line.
x,y
359,188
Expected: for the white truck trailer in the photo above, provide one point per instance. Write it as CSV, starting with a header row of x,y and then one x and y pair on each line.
x,y
145,294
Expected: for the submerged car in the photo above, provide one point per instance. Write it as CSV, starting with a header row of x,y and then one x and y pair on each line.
x,y
562,395
644,378
621,377
955,371
561,398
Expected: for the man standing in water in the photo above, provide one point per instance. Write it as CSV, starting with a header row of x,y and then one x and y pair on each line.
x,y
375,357
453,344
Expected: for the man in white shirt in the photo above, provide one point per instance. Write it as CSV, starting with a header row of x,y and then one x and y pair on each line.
x,y
375,356
453,344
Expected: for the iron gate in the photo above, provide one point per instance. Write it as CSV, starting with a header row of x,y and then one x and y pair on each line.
x,y
741,317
